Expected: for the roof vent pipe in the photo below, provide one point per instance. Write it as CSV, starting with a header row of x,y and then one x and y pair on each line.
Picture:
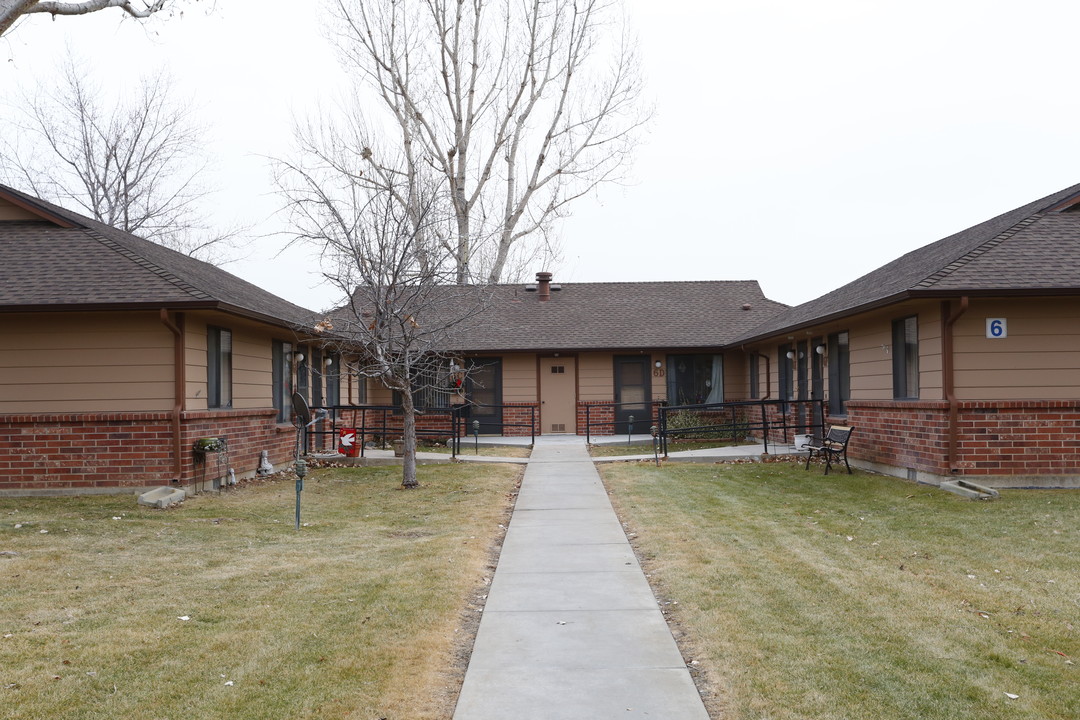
x,y
543,286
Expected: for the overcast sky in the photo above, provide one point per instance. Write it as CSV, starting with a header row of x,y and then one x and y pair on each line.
x,y
799,144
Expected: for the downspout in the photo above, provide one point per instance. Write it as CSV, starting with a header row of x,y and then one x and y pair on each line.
x,y
177,329
947,370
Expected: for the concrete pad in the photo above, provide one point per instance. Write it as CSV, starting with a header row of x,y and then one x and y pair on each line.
x,y
581,694
575,640
563,591
162,497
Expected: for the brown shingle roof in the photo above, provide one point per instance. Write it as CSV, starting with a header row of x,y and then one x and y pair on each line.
x,y
617,316
44,266
1033,249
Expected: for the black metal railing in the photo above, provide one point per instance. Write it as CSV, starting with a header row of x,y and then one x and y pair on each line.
x,y
464,425
642,423
368,423
741,419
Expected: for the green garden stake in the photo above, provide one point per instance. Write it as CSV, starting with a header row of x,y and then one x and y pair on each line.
x,y
301,471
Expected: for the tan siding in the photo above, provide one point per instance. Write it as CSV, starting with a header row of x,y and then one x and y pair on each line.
x,y
871,360
252,373
11,211
379,394
519,378
1038,360
252,369
596,377
85,362
736,377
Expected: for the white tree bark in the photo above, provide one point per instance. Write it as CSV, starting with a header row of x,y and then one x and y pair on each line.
x,y
522,107
12,10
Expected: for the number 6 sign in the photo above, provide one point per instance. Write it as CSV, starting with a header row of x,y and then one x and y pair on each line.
x,y
996,328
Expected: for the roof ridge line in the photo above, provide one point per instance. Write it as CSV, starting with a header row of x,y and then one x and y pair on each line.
x,y
148,265
977,251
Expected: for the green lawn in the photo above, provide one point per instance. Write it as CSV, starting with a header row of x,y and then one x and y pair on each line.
x,y
805,596
221,609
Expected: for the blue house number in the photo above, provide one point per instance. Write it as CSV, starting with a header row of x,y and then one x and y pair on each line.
x,y
996,328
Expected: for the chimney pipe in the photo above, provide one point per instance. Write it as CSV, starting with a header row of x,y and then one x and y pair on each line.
x,y
543,286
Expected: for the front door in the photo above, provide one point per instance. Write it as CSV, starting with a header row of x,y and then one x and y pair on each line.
x,y
632,393
558,395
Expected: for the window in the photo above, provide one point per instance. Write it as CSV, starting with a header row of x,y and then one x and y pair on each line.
x,y
755,379
839,373
905,351
431,387
303,375
282,379
317,369
695,379
783,372
333,379
218,367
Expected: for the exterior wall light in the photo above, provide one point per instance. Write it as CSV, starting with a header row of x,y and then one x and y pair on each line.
x,y
299,357
790,354
658,364
820,349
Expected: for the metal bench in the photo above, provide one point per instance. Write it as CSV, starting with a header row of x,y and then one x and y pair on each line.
x,y
833,447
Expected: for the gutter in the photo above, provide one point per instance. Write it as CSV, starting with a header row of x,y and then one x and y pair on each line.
x,y
179,386
948,372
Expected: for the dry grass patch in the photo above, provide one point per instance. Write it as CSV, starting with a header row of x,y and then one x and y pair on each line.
x,y
357,615
861,597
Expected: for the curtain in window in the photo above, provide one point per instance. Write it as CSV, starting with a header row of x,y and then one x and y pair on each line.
x,y
716,389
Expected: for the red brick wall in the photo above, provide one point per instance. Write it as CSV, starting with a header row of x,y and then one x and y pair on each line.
x,y
1003,438
103,452
601,415
84,451
248,432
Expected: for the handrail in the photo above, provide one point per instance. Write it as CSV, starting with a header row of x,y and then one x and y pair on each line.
x,y
740,423
589,424
375,420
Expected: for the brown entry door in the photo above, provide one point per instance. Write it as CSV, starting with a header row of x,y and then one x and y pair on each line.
x,y
632,392
558,395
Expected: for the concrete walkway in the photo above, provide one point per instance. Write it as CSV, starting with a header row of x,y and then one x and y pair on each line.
x,y
571,630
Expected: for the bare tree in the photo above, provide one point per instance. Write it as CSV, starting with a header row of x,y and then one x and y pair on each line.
x,y
135,167
522,106
12,10
384,249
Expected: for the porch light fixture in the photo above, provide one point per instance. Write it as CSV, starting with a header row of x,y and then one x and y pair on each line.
x,y
790,354
820,349
329,361
658,364
299,357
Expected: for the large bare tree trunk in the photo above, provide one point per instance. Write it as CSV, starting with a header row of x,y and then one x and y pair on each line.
x,y
520,107
408,437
